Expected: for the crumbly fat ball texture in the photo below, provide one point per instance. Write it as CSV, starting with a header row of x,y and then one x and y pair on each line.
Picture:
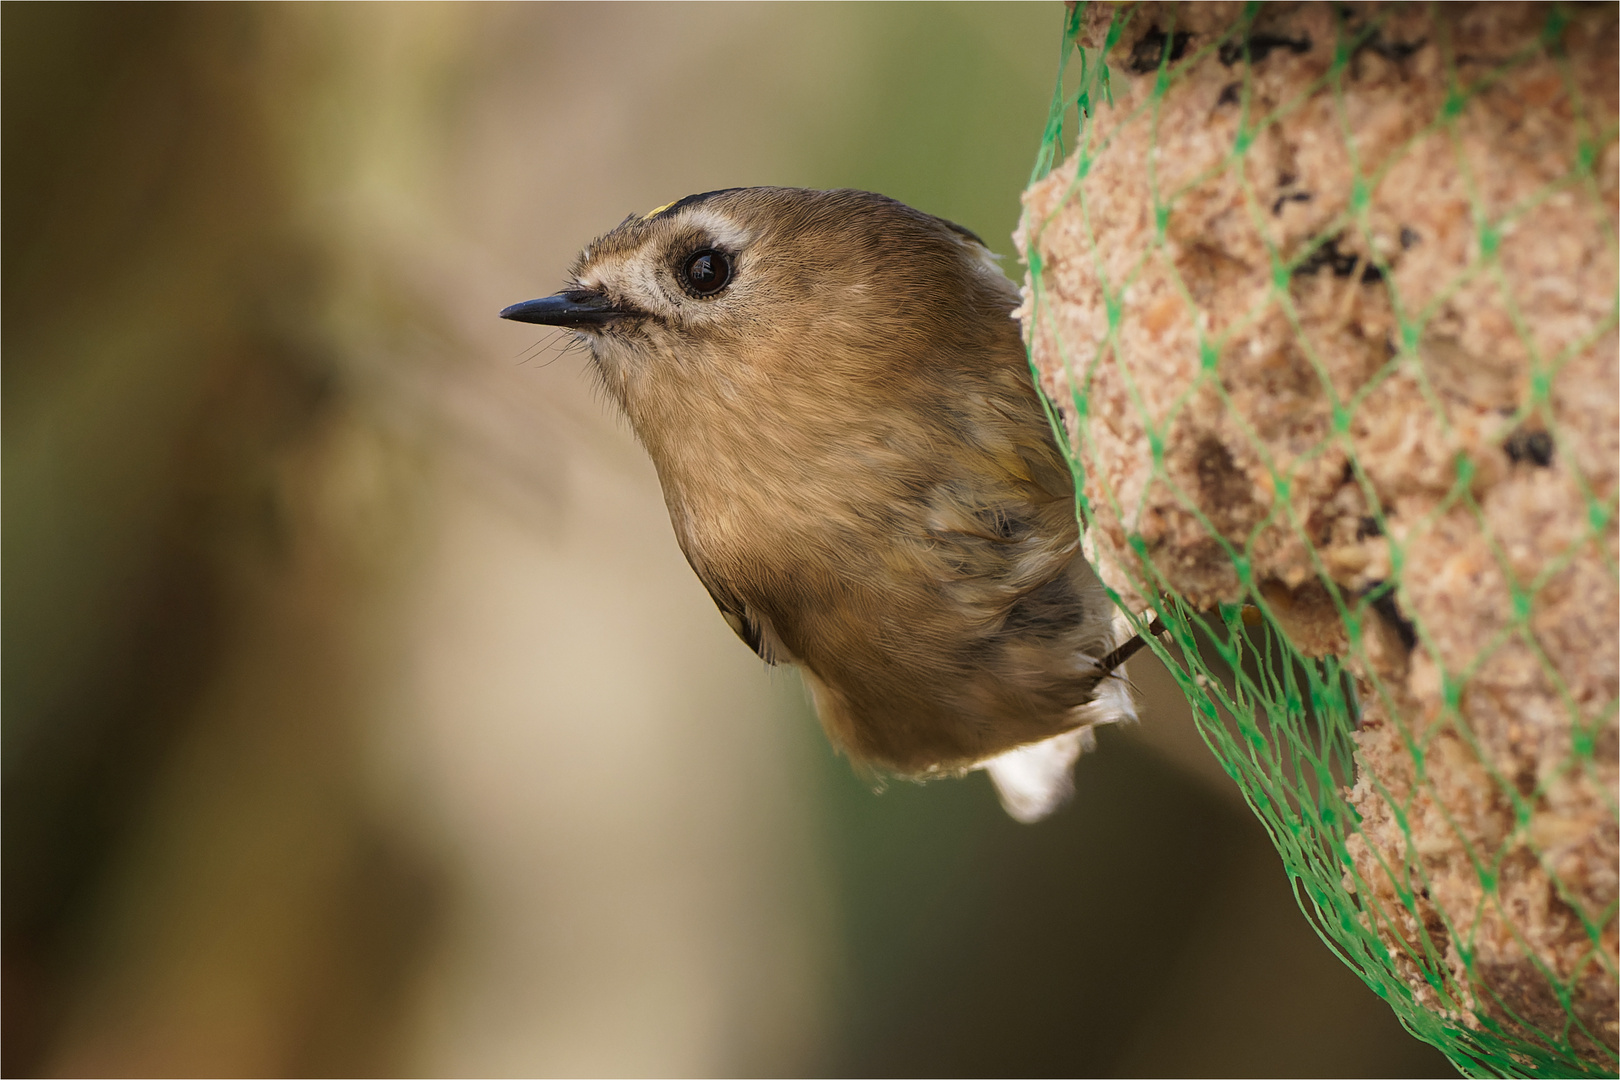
x,y
1410,271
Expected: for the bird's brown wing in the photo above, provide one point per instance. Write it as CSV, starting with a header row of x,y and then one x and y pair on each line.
x,y
754,629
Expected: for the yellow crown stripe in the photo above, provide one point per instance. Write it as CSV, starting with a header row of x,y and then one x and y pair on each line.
x,y
654,213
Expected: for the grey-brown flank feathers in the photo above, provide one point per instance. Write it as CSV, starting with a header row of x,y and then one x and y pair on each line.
x,y
859,471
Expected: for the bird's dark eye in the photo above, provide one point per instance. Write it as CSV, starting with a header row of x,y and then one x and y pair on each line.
x,y
706,272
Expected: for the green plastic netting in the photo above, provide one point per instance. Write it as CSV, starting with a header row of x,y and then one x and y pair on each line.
x,y
1324,300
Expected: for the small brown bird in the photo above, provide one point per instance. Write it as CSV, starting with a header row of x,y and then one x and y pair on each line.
x,y
835,394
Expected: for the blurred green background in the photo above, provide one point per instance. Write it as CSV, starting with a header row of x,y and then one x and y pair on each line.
x,y
360,715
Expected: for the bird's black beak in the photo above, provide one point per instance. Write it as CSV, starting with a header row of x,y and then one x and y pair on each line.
x,y
577,307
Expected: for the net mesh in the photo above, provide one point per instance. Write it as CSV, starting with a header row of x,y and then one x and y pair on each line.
x,y
1323,300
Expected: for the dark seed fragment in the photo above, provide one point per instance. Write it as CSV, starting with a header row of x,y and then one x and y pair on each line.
x,y
1148,52
1260,46
1328,255
1385,605
1394,51
1535,447
1288,197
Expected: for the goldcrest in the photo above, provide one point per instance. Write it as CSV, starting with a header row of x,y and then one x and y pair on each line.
x,y
834,391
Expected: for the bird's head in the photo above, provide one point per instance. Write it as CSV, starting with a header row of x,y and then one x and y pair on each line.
x,y
714,296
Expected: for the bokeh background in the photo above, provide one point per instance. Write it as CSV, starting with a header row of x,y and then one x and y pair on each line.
x,y
360,715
